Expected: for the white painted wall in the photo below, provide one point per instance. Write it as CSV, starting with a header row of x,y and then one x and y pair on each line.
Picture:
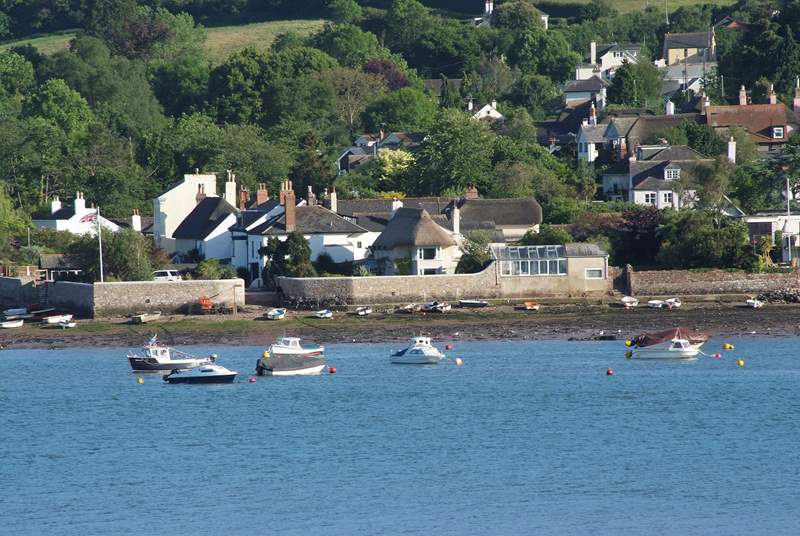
x,y
172,207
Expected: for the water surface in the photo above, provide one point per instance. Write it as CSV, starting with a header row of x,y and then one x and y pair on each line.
x,y
525,437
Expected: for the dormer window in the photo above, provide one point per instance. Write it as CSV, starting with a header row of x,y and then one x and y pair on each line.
x,y
672,174
777,133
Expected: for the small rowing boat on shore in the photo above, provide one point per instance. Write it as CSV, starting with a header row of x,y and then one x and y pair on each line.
x,y
144,318
364,311
276,314
473,304
15,312
10,324
629,302
528,306
408,309
324,313
436,307
57,319
754,303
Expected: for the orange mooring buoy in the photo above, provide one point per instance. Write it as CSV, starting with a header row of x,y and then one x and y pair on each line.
x,y
448,347
609,372
251,380
331,370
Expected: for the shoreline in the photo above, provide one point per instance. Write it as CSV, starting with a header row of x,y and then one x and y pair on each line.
x,y
558,322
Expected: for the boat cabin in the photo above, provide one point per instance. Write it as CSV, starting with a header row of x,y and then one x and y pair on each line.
x,y
421,341
680,344
289,342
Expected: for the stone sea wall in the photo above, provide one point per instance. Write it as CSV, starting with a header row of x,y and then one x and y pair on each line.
x,y
124,298
76,298
687,283
17,291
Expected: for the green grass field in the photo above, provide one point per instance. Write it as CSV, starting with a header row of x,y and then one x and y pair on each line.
x,y
222,41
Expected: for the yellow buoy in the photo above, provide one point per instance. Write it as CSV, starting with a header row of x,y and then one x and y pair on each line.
x,y
628,343
265,355
139,380
740,362
629,354
727,346
459,361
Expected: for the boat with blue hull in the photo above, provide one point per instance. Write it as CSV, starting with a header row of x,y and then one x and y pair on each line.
x,y
208,373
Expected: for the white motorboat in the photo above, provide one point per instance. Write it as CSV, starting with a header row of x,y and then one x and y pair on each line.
x,y
473,303
674,343
276,314
324,313
629,301
15,312
408,309
68,325
159,358
10,324
57,319
656,304
288,357
673,303
207,373
420,352
754,303
364,311
436,307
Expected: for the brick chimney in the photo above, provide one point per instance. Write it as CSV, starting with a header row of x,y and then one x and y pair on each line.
x,y
244,197
290,205
472,192
455,217
201,193
773,99
742,96
136,221
262,194
311,199
55,205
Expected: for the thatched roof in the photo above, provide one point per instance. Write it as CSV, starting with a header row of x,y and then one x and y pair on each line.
x,y
413,227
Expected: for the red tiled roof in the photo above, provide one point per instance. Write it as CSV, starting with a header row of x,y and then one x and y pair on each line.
x,y
756,119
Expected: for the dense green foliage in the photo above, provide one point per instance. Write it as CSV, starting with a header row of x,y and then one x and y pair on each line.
x,y
475,252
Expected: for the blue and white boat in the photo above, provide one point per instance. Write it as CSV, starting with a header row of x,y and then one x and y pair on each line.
x,y
420,352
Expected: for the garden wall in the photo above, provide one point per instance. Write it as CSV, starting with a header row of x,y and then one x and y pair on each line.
x,y
17,291
690,282
125,298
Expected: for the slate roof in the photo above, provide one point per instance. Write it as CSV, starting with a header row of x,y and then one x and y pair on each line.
x,y
375,223
756,119
646,126
594,84
413,227
204,219
312,219
687,40
63,213
125,223
593,133
524,211
565,127
605,48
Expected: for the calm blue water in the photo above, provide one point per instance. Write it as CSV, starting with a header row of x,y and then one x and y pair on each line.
x,y
525,437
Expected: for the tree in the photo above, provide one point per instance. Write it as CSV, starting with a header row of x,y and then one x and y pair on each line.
x,y
536,93
475,252
547,236
391,73
703,239
12,221
211,269
516,16
129,30
16,74
406,23
636,84
344,11
63,107
457,152
349,44
128,256
354,91
407,109
544,52
292,258
312,167
513,180
714,180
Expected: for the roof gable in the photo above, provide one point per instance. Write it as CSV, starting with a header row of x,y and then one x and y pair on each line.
x,y
204,219
310,220
413,227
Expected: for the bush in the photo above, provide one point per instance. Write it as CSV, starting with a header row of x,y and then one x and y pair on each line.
x,y
209,269
547,236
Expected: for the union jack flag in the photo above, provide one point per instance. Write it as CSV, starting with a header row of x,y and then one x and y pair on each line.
x,y
92,216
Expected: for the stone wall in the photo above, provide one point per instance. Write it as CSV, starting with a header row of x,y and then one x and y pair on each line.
x,y
487,284
76,298
125,298
17,291
686,282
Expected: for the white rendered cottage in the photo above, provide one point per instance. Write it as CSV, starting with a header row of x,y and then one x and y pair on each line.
x,y
77,219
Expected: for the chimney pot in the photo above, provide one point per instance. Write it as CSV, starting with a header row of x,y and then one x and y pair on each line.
x,y
732,150
334,201
593,52
55,205
290,209
742,96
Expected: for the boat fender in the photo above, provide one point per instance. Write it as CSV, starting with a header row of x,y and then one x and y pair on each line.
x,y
740,362
251,380
609,372
628,354
628,343
727,346
265,355
448,347
331,370
459,361
140,380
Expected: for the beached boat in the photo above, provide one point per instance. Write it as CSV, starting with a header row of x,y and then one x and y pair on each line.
x,y
276,314
629,301
408,309
208,373
324,313
677,343
436,307
10,324
156,357
288,357
364,311
473,304
144,318
656,304
57,319
68,325
673,303
420,352
15,312
528,306
754,303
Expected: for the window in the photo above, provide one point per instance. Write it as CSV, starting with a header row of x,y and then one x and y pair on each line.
x,y
672,174
429,271
358,245
594,273
668,198
650,199
426,254
777,132
532,260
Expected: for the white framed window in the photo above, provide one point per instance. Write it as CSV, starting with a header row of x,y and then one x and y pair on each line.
x,y
594,273
427,254
358,245
668,198
777,132
650,199
672,174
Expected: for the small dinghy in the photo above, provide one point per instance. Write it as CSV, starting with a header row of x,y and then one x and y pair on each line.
x,y
364,311
754,303
276,314
324,313
677,343
656,304
408,309
15,312
208,373
473,304
528,306
629,302
159,358
68,325
57,319
10,324
287,357
673,303
144,318
436,307
420,352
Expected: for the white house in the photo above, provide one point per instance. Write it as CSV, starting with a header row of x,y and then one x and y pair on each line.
x,y
593,89
591,138
206,229
77,219
605,59
172,207
767,224
487,112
